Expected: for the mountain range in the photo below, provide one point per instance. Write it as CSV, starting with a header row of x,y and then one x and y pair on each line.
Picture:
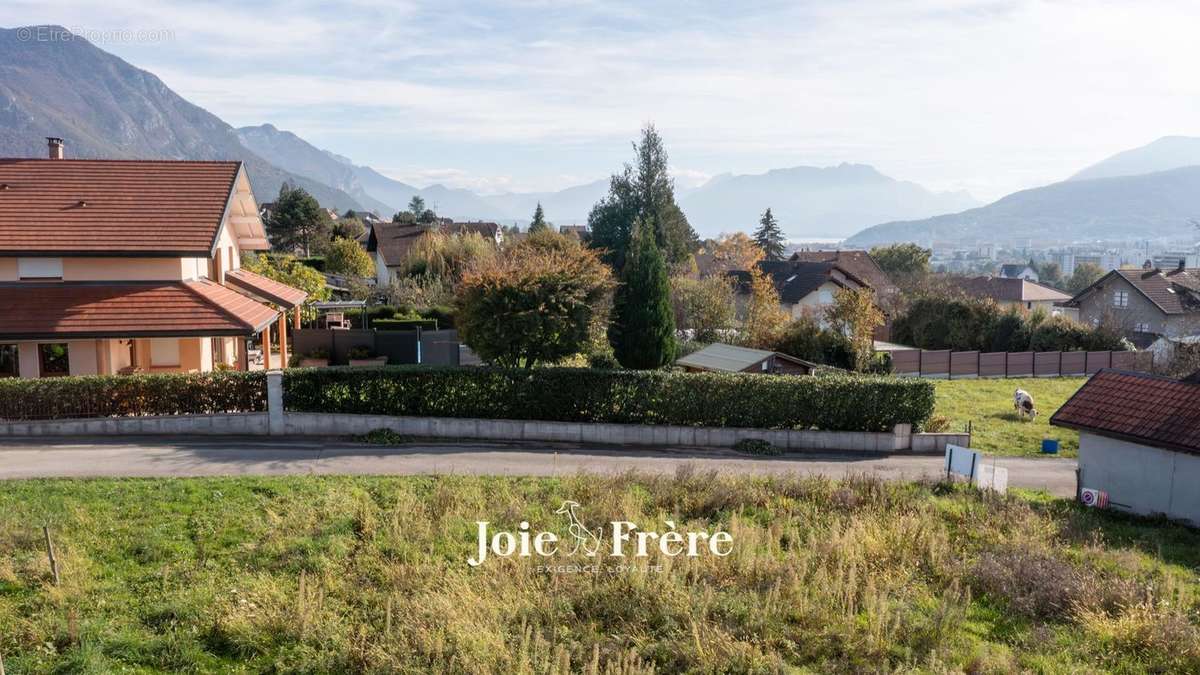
x,y
817,202
104,107
1150,192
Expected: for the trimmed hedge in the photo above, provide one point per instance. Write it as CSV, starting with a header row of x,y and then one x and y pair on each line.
x,y
404,324
129,395
835,402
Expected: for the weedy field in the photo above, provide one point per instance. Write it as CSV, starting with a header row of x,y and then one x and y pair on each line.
x,y
339,574
988,405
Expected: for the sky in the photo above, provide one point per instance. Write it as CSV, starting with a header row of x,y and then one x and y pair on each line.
x,y
980,95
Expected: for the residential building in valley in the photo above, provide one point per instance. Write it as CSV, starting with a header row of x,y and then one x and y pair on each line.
x,y
121,266
1149,304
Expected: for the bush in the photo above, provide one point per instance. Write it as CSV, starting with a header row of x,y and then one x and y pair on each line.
x,y
405,324
127,395
836,402
942,321
804,338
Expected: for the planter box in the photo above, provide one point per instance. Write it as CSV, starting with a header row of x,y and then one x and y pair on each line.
x,y
373,361
306,362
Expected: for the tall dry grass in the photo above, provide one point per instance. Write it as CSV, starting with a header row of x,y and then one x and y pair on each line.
x,y
322,574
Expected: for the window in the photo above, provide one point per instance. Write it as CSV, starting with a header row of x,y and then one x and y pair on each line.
x,y
164,352
39,269
1141,327
10,361
1121,299
55,359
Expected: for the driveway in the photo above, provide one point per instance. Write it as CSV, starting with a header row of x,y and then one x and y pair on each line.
x,y
146,456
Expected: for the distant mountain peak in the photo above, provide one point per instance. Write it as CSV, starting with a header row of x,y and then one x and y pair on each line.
x,y
812,201
1162,154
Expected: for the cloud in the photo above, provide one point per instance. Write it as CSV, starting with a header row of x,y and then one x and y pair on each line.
x,y
987,95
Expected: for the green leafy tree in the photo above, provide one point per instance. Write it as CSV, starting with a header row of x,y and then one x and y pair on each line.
x,y
287,270
1085,275
645,193
346,256
416,205
769,236
1050,273
538,224
348,227
905,264
298,223
642,333
535,304
705,306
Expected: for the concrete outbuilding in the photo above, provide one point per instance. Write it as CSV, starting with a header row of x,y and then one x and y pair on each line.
x,y
1139,441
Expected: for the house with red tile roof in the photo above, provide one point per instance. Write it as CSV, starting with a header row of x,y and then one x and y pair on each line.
x,y
1149,304
120,266
1017,293
1139,441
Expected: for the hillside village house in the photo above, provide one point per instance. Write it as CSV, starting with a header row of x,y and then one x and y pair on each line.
x,y
1153,306
120,266
1018,271
389,243
1019,293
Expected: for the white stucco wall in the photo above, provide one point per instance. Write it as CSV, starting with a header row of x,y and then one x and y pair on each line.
x,y
1141,479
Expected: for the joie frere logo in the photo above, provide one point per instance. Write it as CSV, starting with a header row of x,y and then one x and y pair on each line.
x,y
624,540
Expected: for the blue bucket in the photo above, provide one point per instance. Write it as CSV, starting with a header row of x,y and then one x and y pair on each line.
x,y
1049,446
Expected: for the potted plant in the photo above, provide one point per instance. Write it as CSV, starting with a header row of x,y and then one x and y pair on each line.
x,y
315,359
361,356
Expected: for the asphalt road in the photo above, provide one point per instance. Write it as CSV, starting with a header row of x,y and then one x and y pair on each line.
x,y
234,456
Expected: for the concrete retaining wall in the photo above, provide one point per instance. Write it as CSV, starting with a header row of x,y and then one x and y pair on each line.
x,y
252,424
337,424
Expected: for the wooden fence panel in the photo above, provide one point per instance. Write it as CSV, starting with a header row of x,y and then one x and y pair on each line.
x,y
935,363
1124,360
906,362
1073,363
1097,361
964,365
1047,364
1020,364
993,364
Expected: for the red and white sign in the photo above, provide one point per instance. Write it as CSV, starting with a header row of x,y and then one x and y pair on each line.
x,y
1094,498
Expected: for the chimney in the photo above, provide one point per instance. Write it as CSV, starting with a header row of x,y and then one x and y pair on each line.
x,y
56,147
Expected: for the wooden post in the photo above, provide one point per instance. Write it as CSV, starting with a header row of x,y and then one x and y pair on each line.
x,y
241,346
266,347
50,553
296,318
283,346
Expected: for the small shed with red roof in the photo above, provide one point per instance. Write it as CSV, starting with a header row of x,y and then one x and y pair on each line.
x,y
1139,441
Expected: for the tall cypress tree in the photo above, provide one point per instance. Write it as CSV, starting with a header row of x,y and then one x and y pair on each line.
x,y
769,237
539,221
643,191
642,332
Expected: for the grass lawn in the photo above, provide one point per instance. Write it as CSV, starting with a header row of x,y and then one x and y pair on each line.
x,y
988,405
369,574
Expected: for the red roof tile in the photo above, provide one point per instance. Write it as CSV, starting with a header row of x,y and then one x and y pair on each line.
x,y
112,207
86,310
268,289
1140,408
